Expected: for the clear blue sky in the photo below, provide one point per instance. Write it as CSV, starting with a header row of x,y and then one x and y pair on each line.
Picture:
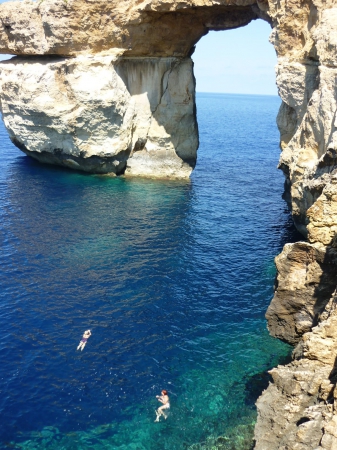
x,y
240,61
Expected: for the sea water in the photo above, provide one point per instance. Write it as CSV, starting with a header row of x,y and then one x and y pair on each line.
x,y
172,277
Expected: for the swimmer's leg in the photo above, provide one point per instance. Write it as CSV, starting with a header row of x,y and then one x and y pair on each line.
x,y
158,415
165,414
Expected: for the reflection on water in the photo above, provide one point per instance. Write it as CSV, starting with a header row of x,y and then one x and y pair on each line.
x,y
173,279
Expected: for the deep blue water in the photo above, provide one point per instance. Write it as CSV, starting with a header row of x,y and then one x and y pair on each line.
x,y
173,278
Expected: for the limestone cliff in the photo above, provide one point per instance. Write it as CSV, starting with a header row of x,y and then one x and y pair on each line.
x,y
298,411
103,113
109,87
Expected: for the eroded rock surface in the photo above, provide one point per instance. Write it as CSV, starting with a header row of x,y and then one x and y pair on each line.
x,y
125,101
103,114
299,409
306,279
154,28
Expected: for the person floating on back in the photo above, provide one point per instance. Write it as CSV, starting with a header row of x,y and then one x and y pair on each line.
x,y
83,341
165,400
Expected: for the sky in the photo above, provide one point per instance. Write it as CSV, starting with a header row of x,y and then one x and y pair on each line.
x,y
240,61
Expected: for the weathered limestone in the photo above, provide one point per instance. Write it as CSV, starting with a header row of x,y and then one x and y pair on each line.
x,y
298,411
133,28
103,114
305,39
305,281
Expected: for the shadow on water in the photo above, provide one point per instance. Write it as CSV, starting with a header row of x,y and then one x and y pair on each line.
x,y
258,382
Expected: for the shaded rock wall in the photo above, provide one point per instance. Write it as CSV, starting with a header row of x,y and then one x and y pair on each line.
x,y
306,279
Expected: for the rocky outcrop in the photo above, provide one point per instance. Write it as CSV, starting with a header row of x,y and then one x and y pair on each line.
x,y
299,409
306,279
304,38
156,28
103,114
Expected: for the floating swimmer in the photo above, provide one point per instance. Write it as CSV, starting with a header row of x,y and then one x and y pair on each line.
x,y
84,340
165,400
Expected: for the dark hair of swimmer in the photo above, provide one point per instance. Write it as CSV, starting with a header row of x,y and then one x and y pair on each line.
x,y
164,392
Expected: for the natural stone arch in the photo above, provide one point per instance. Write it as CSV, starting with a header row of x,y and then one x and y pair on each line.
x,y
125,102
116,93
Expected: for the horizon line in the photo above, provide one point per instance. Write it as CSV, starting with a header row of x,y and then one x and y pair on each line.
x,y
237,93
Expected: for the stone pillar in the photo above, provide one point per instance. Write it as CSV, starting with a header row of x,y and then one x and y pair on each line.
x,y
103,114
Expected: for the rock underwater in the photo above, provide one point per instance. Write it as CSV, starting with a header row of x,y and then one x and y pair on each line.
x,y
108,87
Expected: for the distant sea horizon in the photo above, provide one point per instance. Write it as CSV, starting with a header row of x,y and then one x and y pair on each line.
x,y
237,93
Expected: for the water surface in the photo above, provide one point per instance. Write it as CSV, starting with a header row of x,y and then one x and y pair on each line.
x,y
173,279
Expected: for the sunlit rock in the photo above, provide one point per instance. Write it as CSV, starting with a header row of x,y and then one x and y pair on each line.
x,y
103,114
124,103
299,408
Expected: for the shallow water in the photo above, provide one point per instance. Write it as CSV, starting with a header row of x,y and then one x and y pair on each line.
x,y
173,278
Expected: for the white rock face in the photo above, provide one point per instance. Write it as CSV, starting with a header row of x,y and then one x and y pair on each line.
x,y
102,113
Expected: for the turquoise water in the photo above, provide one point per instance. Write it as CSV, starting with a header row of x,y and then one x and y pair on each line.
x,y
173,279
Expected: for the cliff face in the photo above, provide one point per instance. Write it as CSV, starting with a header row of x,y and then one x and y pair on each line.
x,y
108,87
102,113
299,410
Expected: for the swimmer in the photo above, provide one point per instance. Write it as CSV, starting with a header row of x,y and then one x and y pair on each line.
x,y
164,399
83,341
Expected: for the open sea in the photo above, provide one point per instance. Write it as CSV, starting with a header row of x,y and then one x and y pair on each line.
x,y
172,277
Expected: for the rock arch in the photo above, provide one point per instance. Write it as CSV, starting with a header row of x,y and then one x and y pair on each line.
x,y
108,87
